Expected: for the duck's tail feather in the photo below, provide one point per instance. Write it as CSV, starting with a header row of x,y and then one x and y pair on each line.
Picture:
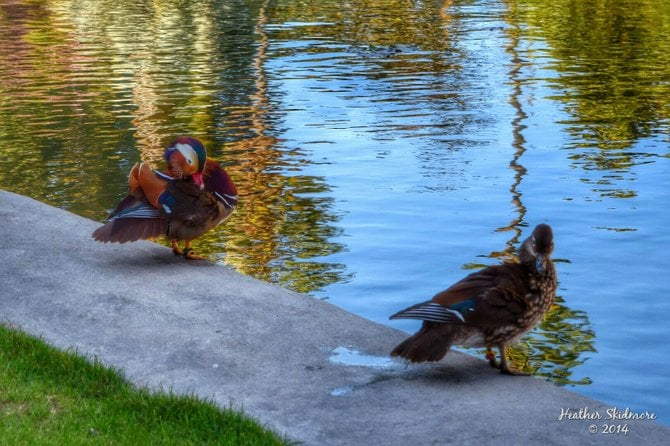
x,y
431,343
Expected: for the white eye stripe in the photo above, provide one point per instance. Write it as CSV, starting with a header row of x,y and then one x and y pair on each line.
x,y
187,151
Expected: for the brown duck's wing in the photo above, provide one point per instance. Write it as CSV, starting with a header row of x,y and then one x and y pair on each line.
x,y
139,222
130,230
492,296
129,201
430,311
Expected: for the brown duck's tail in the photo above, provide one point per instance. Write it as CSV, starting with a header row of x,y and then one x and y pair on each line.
x,y
431,343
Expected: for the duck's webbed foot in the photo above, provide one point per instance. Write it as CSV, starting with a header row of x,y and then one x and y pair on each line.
x,y
190,254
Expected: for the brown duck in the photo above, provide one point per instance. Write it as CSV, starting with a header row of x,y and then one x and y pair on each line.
x,y
491,307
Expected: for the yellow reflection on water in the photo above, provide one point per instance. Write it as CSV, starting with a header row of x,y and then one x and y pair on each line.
x,y
557,347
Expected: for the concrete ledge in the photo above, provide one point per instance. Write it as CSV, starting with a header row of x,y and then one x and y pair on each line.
x,y
301,366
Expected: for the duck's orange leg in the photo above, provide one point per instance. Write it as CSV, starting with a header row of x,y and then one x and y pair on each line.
x,y
176,249
491,356
187,252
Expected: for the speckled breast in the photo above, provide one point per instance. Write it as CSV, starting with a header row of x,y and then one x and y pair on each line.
x,y
539,299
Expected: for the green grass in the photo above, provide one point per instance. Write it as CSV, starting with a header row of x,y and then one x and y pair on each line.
x,y
50,397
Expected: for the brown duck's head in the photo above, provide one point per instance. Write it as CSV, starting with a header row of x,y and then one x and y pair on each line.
x,y
536,250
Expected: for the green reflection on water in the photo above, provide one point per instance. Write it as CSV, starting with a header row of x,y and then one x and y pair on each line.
x,y
613,61
557,346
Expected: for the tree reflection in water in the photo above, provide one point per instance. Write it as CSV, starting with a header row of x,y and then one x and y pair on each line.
x,y
90,87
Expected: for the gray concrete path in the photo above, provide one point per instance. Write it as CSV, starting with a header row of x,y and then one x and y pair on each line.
x,y
301,366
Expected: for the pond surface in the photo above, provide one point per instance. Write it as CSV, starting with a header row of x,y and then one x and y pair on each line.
x,y
382,149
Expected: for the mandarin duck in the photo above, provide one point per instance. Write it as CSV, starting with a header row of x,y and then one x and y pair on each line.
x,y
192,197
491,307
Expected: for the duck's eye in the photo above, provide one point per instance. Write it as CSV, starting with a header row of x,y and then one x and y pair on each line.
x,y
189,161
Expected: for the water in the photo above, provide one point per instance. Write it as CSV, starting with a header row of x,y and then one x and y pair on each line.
x,y
350,357
382,149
